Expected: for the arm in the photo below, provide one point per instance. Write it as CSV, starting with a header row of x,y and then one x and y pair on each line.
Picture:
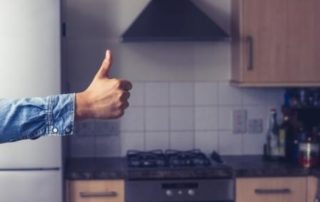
x,y
29,118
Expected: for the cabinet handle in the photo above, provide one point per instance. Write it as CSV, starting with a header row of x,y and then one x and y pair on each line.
x,y
98,194
273,191
249,40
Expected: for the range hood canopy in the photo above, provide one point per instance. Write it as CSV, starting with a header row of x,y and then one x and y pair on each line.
x,y
173,20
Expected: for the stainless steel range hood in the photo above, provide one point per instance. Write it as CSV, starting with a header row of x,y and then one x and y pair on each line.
x,y
173,20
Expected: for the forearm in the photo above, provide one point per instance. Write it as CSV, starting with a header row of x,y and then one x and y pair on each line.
x,y
30,118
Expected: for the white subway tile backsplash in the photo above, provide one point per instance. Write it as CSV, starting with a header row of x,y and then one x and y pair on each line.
x,y
106,127
256,112
133,119
206,118
137,94
182,140
275,96
253,144
132,141
157,119
85,127
229,95
108,146
230,144
157,140
226,117
207,141
157,94
182,118
254,96
181,94
82,146
206,93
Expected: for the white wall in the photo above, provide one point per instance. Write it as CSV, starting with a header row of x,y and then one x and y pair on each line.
x,y
181,99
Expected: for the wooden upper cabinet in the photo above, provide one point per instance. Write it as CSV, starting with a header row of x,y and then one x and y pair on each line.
x,y
303,40
276,43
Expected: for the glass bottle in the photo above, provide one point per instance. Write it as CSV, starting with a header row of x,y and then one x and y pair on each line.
x,y
272,145
284,139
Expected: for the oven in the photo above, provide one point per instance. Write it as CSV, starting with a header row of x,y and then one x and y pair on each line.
x,y
212,190
164,177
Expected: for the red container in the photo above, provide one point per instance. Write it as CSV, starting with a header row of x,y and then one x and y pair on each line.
x,y
308,154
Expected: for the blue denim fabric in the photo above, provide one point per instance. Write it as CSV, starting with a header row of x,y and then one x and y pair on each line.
x,y
30,118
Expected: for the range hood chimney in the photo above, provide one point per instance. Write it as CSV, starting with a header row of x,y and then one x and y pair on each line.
x,y
173,20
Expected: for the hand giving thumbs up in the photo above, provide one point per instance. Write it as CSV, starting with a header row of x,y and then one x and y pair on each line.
x,y
106,97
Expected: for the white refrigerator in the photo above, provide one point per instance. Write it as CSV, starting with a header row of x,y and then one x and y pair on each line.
x,y
30,170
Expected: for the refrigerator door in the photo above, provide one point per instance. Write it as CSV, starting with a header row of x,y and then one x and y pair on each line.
x,y
15,186
44,152
30,66
30,48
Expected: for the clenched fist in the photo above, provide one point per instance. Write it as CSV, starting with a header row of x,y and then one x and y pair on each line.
x,y
106,97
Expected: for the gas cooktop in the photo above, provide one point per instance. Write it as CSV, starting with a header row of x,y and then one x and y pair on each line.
x,y
169,164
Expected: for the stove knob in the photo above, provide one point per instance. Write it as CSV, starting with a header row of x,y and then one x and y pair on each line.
x,y
180,192
191,192
169,193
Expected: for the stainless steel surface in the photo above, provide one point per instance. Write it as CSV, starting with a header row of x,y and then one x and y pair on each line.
x,y
180,190
171,175
30,186
173,21
30,67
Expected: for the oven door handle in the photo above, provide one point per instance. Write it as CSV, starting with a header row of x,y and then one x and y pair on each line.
x,y
109,194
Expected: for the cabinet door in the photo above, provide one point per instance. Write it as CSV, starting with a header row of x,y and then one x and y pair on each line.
x,y
303,41
264,41
291,189
96,191
312,188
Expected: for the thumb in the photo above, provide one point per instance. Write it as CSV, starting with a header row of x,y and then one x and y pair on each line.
x,y
103,72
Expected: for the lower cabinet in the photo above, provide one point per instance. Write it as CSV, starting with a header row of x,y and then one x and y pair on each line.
x,y
95,191
273,189
312,188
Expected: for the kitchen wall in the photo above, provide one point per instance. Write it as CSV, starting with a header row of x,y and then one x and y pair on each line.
x,y
182,98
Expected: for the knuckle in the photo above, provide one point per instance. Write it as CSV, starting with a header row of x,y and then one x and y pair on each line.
x,y
119,105
118,113
120,94
116,82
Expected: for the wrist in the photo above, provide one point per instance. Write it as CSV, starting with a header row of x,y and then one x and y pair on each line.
x,y
82,110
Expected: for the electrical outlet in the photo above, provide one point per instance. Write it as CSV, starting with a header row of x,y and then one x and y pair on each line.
x,y
239,121
255,126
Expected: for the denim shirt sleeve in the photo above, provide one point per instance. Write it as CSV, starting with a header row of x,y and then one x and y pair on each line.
x,y
30,118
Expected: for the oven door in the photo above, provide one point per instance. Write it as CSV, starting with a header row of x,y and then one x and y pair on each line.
x,y
213,190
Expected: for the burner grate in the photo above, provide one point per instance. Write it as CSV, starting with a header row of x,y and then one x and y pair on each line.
x,y
167,158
